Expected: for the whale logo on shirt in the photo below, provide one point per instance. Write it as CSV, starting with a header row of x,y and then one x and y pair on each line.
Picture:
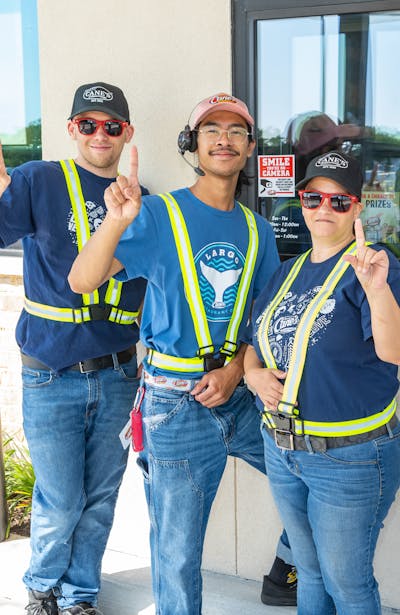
x,y
219,269
220,281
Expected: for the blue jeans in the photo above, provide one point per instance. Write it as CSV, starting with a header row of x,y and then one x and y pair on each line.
x,y
333,505
72,423
186,449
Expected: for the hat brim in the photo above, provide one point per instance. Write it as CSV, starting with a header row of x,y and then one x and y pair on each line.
x,y
103,108
232,108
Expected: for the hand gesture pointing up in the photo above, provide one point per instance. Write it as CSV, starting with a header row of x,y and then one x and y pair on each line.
x,y
123,197
371,266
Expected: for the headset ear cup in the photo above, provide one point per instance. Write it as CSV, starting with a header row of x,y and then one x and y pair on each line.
x,y
187,140
193,143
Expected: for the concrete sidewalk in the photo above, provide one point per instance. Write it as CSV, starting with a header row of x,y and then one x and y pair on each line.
x,y
126,587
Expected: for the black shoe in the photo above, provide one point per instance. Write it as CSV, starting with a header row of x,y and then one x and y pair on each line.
x,y
82,608
41,603
275,594
280,585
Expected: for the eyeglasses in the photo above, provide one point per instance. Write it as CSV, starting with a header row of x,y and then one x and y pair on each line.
x,y
235,135
87,126
340,203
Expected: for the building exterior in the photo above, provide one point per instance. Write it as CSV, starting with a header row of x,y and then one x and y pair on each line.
x,y
167,55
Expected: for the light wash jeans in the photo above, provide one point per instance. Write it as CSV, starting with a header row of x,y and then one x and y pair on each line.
x,y
186,449
72,423
333,505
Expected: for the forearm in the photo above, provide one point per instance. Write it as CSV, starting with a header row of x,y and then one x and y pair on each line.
x,y
96,263
385,322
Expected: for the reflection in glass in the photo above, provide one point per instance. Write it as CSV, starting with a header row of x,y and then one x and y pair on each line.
x,y
324,83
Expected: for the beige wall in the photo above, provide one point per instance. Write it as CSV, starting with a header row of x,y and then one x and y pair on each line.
x,y
167,55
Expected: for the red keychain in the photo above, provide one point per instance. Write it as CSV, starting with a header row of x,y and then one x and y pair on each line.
x,y
136,421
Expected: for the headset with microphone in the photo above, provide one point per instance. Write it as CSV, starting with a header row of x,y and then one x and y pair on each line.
x,y
187,142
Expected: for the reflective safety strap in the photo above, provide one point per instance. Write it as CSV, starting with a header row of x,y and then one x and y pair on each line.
x,y
245,281
287,407
114,289
80,215
303,332
339,428
189,275
193,293
76,315
178,364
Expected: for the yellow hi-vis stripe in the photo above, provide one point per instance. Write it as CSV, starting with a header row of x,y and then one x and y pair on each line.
x,y
339,428
298,357
80,215
193,294
76,315
113,293
188,270
245,281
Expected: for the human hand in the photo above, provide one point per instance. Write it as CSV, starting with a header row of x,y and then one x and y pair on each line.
x,y
370,266
5,179
216,387
123,197
266,383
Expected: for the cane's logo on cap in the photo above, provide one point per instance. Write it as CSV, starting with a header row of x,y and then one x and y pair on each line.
x,y
98,94
222,98
332,161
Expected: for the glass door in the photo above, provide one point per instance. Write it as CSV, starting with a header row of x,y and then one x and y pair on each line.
x,y
324,83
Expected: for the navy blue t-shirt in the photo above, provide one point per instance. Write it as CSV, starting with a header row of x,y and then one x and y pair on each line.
x,y
37,209
343,379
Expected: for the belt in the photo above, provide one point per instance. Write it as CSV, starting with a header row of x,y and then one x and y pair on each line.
x,y
166,382
285,439
89,365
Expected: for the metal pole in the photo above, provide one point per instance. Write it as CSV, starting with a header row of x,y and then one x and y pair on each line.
x,y
3,500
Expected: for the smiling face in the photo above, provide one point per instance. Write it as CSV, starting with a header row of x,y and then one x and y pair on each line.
x,y
324,223
99,153
222,156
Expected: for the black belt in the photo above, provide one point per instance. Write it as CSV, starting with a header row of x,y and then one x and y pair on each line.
x,y
89,365
285,439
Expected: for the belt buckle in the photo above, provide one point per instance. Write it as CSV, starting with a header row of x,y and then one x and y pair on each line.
x,y
82,368
213,362
284,439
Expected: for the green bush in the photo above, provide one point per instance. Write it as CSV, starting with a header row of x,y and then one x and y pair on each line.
x,y
19,482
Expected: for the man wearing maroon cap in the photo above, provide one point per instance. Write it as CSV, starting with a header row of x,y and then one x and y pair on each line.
x,y
205,257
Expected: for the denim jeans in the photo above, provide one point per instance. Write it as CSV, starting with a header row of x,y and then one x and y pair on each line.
x,y
186,448
333,505
72,423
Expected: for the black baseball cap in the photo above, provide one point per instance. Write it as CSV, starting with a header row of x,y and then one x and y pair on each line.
x,y
339,167
100,96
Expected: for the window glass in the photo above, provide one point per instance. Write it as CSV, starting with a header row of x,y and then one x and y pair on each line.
x,y
325,83
20,122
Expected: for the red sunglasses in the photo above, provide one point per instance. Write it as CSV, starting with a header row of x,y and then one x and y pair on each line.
x,y
87,126
340,203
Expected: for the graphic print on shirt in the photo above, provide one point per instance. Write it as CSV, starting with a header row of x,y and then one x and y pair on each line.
x,y
219,266
286,318
95,214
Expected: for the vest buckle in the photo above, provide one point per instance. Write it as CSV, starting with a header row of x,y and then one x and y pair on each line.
x,y
99,312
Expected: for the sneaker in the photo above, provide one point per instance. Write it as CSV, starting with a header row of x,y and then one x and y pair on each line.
x,y
41,603
82,608
280,585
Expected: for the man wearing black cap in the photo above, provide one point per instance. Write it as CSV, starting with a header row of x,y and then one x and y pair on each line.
x,y
78,354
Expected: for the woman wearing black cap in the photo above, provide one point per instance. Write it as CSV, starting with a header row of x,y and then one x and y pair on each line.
x,y
326,335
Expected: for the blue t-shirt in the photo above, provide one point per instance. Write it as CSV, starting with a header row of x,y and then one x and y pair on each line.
x,y
219,242
343,379
36,208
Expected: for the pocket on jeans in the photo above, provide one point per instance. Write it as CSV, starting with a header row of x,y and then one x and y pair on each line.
x,y
160,406
128,371
34,378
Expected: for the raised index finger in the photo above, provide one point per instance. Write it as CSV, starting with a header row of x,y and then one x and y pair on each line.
x,y
359,232
133,166
3,170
